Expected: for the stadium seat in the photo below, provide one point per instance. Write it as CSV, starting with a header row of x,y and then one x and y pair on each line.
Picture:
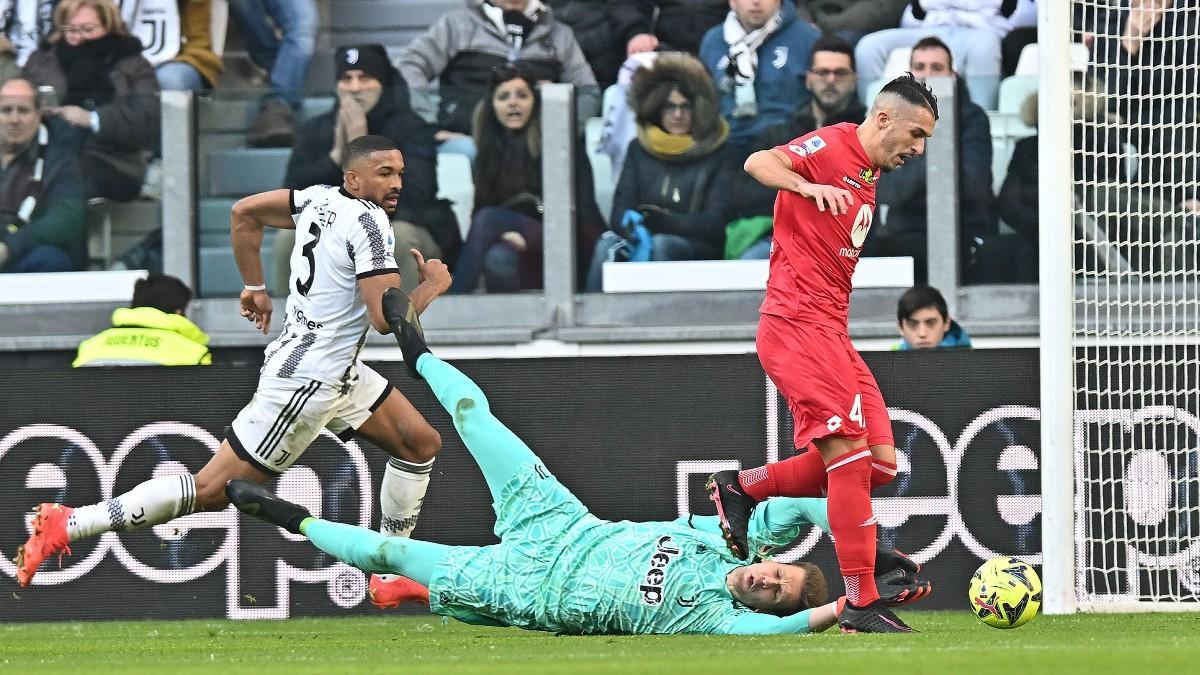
x,y
218,273
456,183
392,23
243,171
1007,129
603,181
897,63
1027,63
1014,90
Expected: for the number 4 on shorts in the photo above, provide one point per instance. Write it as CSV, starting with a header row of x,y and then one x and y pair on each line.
x,y
834,423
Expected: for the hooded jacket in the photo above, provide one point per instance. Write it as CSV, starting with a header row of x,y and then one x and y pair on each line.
x,y
148,337
688,185
779,82
461,49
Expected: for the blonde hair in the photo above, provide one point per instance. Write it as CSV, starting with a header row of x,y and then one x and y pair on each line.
x,y
110,16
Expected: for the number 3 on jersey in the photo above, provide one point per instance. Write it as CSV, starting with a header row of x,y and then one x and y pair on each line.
x,y
304,286
855,415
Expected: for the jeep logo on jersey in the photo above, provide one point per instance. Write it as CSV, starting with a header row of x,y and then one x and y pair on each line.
x,y
656,576
862,225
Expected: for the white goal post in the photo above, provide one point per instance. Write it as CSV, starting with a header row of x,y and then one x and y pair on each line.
x,y
1119,240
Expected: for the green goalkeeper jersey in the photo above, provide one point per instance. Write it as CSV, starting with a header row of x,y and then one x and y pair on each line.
x,y
561,569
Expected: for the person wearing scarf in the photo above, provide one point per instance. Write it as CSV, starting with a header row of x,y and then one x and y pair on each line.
x,y
672,185
108,94
759,57
42,226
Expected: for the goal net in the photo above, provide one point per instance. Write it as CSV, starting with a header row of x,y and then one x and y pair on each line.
x,y
1136,273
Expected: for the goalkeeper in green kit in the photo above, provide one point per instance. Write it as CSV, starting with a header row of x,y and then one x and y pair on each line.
x,y
559,568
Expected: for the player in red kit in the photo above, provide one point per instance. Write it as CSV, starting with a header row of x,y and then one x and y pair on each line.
x,y
824,210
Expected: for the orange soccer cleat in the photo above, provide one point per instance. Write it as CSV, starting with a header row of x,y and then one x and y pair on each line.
x,y
49,537
386,594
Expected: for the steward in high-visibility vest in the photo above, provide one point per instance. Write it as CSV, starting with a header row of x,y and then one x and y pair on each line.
x,y
145,334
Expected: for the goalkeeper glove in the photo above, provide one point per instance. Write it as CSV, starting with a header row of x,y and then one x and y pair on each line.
x,y
899,587
888,559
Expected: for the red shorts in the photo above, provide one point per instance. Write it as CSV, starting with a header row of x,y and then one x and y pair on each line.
x,y
828,387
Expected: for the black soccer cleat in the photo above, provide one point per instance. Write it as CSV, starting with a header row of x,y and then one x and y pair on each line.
x,y
734,507
874,618
255,500
402,317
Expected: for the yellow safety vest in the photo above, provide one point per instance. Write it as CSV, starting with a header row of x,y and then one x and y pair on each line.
x,y
146,336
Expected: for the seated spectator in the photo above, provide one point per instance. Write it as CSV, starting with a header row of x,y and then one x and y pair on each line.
x,y
107,91
27,23
186,61
851,19
504,245
904,231
42,220
758,58
592,22
924,322
972,28
280,36
672,196
153,331
834,99
667,26
462,49
372,98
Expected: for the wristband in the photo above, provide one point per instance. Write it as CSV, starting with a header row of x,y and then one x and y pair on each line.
x,y
256,287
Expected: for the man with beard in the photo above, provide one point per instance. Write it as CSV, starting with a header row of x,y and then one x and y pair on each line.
x,y
312,377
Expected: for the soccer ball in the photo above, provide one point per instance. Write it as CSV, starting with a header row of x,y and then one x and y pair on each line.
x,y
1005,593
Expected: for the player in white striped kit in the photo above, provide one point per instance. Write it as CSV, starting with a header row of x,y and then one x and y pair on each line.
x,y
311,377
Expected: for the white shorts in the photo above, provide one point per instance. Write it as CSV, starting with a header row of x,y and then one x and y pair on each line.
x,y
287,414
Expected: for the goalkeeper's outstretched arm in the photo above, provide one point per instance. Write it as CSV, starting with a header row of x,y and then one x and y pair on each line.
x,y
812,620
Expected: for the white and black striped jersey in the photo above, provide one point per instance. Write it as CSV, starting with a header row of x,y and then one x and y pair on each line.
x,y
339,240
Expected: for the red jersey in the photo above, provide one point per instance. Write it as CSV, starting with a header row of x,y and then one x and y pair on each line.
x,y
814,253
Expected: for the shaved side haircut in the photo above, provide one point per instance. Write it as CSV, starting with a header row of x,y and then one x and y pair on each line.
x,y
913,91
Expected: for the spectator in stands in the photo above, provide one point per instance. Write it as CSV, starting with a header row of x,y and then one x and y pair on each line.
x,y
504,244
107,93
666,25
758,58
592,22
672,197
153,331
42,222
462,49
834,99
280,36
924,322
27,23
1148,52
8,60
903,232
851,19
373,99
191,65
972,28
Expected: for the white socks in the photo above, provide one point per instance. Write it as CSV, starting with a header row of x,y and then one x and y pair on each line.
x,y
153,502
400,498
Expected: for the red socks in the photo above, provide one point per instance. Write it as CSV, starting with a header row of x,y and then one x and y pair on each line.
x,y
799,476
853,524
802,476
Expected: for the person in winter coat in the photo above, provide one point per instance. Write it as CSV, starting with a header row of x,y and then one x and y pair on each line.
x,y
596,33
504,245
851,19
678,25
759,57
905,230
672,197
374,99
152,331
107,91
972,28
461,50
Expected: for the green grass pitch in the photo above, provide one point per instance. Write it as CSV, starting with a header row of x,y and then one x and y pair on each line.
x,y
951,642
